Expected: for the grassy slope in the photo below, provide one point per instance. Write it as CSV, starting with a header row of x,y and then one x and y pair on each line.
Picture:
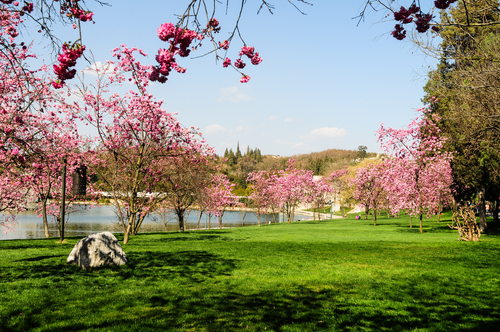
x,y
341,275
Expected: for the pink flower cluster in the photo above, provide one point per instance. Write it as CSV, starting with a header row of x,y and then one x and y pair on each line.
x,y
80,14
224,45
66,60
443,4
28,8
249,51
213,25
399,33
180,40
404,15
414,14
73,10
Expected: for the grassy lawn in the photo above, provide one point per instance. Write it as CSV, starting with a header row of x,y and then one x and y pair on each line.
x,y
340,275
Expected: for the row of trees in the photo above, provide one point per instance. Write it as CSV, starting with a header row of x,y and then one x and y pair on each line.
x,y
141,154
275,191
414,176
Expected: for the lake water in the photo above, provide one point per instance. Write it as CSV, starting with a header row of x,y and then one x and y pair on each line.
x,y
99,219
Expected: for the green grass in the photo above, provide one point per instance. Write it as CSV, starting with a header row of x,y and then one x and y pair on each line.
x,y
340,275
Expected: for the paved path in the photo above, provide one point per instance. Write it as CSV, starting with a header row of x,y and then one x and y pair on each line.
x,y
310,216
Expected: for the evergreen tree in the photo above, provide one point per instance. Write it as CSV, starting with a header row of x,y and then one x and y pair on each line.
x,y
238,152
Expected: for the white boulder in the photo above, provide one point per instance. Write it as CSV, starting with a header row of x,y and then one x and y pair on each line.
x,y
96,250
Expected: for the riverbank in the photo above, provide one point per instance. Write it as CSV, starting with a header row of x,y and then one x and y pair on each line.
x,y
103,218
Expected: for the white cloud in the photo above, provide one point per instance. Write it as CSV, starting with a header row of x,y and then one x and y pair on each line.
x,y
232,94
328,132
272,118
214,129
288,120
281,142
243,129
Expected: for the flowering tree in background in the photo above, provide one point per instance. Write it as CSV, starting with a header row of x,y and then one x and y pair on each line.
x,y
317,194
183,183
342,188
369,187
422,163
263,188
221,195
292,187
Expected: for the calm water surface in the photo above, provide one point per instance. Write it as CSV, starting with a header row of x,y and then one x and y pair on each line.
x,y
98,219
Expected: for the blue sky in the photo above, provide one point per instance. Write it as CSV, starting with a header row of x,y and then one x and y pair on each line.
x,y
324,83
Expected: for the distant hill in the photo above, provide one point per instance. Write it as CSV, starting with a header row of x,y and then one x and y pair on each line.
x,y
238,165
325,162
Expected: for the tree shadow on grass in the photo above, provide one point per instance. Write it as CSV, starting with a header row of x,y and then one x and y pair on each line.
x,y
195,266
39,258
362,305
305,309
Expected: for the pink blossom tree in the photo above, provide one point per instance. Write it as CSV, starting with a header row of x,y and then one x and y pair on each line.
x,y
36,133
340,183
292,187
221,195
369,187
133,149
318,192
184,182
263,187
419,160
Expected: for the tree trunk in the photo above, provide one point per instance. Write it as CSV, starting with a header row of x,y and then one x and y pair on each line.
x,y
495,211
243,217
258,218
375,217
180,217
199,218
482,210
440,208
139,224
131,221
44,216
454,205
367,210
421,226
134,227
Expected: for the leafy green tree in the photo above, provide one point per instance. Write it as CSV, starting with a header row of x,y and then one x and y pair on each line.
x,y
465,91
362,152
